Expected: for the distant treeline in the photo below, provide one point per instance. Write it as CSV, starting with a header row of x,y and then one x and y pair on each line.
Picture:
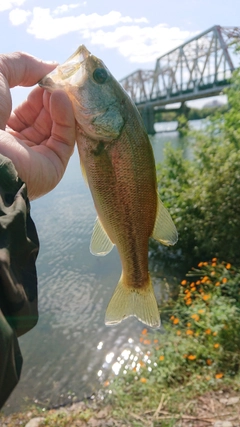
x,y
192,114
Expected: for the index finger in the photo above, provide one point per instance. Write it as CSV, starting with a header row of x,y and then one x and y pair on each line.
x,y
22,69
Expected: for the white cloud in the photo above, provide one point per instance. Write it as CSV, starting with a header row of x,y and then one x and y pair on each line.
x,y
9,4
139,44
66,7
55,27
18,16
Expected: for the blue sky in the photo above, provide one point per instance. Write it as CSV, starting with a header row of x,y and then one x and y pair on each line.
x,y
126,35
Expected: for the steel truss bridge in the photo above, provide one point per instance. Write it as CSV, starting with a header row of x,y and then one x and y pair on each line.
x,y
199,68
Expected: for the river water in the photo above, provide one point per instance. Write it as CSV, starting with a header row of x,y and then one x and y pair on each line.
x,y
68,350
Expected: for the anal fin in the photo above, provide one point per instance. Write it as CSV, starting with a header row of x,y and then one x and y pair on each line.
x,y
100,243
164,229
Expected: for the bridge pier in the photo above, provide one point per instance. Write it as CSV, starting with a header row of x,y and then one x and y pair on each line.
x,y
147,114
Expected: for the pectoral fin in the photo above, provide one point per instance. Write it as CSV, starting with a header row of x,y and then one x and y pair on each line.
x,y
100,242
164,230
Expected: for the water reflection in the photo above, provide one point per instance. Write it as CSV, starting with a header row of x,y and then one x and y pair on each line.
x,y
71,348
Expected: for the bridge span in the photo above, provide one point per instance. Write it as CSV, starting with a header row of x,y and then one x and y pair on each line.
x,y
199,68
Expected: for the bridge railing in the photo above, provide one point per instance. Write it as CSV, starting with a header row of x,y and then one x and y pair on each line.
x,y
205,62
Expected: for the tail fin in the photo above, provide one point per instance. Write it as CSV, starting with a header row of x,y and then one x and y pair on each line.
x,y
127,302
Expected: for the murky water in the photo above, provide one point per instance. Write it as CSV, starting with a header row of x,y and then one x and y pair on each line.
x,y
66,351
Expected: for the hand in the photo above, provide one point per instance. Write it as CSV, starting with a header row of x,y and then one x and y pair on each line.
x,y
39,135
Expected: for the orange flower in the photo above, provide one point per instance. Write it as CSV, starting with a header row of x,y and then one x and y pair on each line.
x,y
208,378
189,324
214,333
214,259
216,345
143,380
217,284
183,282
147,342
106,383
189,301
144,331
204,279
200,264
141,339
208,362
224,280
208,331
189,332
192,285
218,376
192,357
205,263
188,295
214,264
206,297
172,317
176,321
178,332
161,358
141,363
228,266
201,311
155,341
195,317
213,273
198,282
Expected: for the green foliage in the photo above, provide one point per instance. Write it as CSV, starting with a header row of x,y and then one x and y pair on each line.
x,y
203,194
200,346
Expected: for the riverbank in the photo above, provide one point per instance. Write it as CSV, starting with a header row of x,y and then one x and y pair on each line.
x,y
216,408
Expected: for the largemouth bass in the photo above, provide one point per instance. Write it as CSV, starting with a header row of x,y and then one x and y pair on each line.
x,y
117,162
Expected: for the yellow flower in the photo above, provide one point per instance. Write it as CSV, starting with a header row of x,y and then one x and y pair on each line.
x,y
216,345
228,266
189,324
208,331
176,321
183,282
201,311
161,358
218,376
192,357
224,280
206,297
143,380
189,332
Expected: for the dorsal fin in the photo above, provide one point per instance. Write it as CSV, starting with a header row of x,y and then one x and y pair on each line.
x,y
164,229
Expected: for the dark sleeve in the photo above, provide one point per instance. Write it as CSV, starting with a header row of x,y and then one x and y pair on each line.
x,y
18,279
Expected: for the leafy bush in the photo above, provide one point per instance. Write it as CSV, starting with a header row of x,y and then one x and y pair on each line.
x,y
200,345
203,194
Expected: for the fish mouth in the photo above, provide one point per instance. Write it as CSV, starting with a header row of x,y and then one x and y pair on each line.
x,y
64,73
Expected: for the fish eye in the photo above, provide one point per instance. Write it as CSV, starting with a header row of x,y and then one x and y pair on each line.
x,y
100,75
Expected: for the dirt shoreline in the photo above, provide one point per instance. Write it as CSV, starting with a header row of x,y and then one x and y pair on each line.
x,y
216,408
